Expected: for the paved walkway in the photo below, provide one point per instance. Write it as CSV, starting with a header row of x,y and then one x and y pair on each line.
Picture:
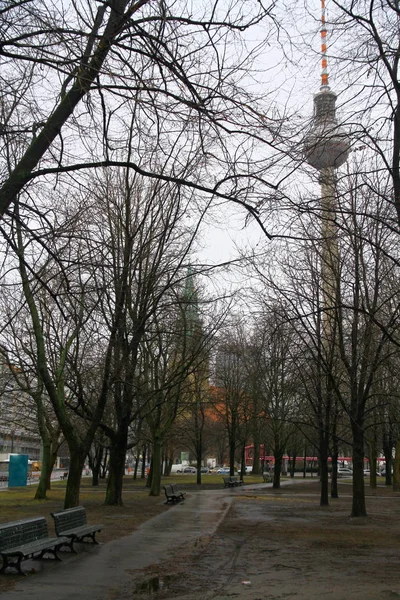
x,y
104,569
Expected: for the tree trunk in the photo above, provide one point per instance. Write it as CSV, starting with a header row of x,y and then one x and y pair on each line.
x,y
293,465
135,467
198,467
232,448
168,466
358,508
155,486
144,458
324,481
45,473
256,455
96,477
277,473
95,464
372,452
77,461
242,461
323,451
334,480
199,454
104,465
372,476
53,459
116,469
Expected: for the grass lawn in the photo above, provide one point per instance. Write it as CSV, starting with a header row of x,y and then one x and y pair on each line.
x,y
19,503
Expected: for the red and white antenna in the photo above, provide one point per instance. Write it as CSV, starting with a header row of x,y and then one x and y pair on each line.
x,y
326,145
324,60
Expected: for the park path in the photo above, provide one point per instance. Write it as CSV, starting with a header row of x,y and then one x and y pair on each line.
x,y
99,572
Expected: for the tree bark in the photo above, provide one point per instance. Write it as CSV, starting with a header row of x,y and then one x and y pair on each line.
x,y
256,455
243,460
116,469
155,487
95,464
232,449
358,507
77,461
293,465
334,479
45,473
277,473
324,480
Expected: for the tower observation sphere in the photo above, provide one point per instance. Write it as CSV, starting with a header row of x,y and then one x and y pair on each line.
x,y
326,144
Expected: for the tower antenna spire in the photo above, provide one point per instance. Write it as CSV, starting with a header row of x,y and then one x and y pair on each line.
x,y
326,145
324,59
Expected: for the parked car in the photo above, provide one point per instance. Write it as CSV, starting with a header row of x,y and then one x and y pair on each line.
x,y
177,468
248,469
344,472
190,470
367,473
383,473
204,470
224,470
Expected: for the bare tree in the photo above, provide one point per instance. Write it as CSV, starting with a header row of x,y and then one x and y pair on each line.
x,y
99,66
231,379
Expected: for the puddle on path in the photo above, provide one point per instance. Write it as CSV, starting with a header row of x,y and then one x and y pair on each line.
x,y
154,584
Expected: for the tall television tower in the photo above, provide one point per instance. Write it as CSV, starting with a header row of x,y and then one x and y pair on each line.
x,y
326,147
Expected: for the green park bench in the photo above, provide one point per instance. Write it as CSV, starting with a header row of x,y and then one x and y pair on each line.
x,y
72,524
173,494
232,481
27,538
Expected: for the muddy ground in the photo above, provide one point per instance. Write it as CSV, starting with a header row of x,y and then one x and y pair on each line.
x,y
276,545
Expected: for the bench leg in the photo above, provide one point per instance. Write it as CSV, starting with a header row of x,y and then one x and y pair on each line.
x,y
15,564
4,564
52,551
69,545
91,536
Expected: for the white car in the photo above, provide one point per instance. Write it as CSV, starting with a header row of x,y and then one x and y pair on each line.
x,y
247,469
344,472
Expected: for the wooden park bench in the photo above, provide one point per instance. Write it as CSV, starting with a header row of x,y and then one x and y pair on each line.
x,y
72,524
232,481
28,538
172,493
267,477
